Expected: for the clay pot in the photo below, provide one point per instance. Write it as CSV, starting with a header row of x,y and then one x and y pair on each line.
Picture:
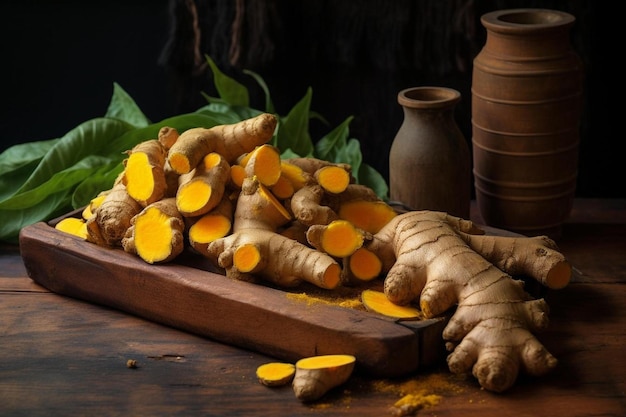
x,y
526,111
429,161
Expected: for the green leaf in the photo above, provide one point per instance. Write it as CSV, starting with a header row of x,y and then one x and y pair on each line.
x,y
369,177
93,137
14,220
17,156
269,106
11,183
123,107
327,147
229,89
293,130
62,180
94,184
350,154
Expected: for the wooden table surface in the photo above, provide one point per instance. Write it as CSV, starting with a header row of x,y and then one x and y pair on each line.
x,y
64,357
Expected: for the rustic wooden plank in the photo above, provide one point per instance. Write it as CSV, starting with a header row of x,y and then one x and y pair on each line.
x,y
67,357
239,313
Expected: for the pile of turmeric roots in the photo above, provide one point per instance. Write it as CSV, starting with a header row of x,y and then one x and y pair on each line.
x,y
226,193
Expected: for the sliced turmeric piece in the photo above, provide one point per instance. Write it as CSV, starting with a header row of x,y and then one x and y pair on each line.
x,y
316,375
202,189
73,226
339,238
283,189
370,216
298,177
364,264
94,203
156,233
248,258
333,178
276,374
211,226
264,163
237,174
144,174
378,302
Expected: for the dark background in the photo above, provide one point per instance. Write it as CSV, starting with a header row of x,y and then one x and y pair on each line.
x,y
60,60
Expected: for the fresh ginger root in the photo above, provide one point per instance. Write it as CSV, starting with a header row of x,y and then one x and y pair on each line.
x,y
156,233
426,256
333,177
316,375
109,222
231,141
254,248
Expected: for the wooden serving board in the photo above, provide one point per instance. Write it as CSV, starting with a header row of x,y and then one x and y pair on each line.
x,y
188,295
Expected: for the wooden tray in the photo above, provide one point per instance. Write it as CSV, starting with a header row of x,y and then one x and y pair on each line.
x,y
191,295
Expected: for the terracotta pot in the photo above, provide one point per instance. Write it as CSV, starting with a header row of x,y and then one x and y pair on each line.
x,y
429,161
526,111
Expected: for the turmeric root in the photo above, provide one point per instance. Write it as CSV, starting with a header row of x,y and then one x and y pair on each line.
x,y
144,174
231,141
331,176
275,374
317,375
339,238
167,136
254,248
156,233
201,190
426,256
108,225
263,163
211,226
363,265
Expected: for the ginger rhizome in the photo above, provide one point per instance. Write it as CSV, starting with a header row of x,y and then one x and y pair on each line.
x,y
316,375
225,193
230,141
441,261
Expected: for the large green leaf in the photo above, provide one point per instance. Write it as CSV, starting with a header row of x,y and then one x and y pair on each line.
x,y
373,179
123,107
328,146
228,88
269,105
14,220
93,137
293,130
93,185
62,180
17,156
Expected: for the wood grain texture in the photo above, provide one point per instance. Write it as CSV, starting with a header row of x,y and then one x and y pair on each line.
x,y
243,314
66,357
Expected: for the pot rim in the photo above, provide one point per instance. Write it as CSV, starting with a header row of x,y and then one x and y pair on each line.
x,y
527,19
428,97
